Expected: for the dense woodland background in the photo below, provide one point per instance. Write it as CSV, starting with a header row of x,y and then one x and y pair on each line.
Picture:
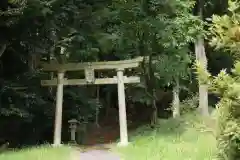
x,y
169,32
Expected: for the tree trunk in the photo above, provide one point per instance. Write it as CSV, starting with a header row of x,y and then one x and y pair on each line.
x,y
32,58
150,85
98,102
108,104
202,59
203,89
176,101
51,75
3,49
97,107
154,110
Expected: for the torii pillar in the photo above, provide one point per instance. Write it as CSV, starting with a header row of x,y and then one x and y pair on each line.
x,y
122,109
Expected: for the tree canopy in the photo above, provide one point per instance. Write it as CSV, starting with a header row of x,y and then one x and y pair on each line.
x,y
164,32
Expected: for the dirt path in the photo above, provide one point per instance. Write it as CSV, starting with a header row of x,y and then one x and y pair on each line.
x,y
98,155
100,152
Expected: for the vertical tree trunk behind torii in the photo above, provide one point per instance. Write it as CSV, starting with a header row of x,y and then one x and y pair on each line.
x,y
203,89
202,59
176,100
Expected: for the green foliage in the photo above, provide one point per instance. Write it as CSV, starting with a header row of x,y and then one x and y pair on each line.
x,y
190,104
42,152
228,134
91,31
161,34
183,138
225,30
179,68
202,75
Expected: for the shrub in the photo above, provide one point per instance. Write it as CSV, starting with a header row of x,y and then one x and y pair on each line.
x,y
227,86
189,104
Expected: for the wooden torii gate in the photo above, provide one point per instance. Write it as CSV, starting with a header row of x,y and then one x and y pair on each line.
x,y
90,79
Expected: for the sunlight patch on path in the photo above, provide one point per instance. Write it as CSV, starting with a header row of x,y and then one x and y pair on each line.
x,y
98,155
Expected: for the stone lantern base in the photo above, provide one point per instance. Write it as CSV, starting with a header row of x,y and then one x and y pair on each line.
x,y
73,142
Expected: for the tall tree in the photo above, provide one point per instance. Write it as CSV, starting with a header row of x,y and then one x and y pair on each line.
x,y
156,32
202,58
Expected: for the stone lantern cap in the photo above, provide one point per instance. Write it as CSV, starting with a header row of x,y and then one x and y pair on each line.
x,y
72,121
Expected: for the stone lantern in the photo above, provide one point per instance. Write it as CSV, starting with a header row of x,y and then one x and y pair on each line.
x,y
73,123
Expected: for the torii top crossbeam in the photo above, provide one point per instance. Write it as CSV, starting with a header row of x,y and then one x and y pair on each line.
x,y
133,63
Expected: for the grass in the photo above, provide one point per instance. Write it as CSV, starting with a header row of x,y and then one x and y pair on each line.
x,y
187,138
39,153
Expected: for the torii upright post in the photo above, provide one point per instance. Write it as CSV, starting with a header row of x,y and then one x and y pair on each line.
x,y
122,109
58,114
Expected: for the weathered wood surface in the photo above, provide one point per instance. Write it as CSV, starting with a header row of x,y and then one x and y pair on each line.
x,y
58,112
89,75
94,65
54,82
122,109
